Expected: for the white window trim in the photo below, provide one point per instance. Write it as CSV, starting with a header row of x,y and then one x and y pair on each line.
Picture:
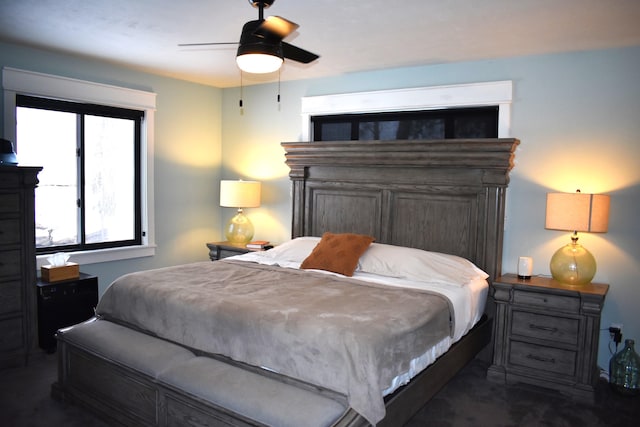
x,y
498,93
15,81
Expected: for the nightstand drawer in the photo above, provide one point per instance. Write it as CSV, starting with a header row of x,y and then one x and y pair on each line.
x,y
544,300
224,253
552,328
219,250
549,359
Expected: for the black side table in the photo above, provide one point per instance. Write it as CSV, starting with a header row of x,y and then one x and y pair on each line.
x,y
62,304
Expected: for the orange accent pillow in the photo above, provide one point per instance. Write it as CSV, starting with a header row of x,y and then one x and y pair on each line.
x,y
338,253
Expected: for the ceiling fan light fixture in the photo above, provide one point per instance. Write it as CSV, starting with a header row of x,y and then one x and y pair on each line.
x,y
257,54
259,63
262,48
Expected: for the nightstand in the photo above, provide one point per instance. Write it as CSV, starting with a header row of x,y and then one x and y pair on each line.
x,y
219,250
62,304
546,334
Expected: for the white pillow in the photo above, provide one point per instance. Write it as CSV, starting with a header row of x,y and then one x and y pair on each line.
x,y
295,250
419,265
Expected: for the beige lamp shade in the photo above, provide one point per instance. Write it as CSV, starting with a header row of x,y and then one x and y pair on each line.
x,y
573,264
240,194
578,212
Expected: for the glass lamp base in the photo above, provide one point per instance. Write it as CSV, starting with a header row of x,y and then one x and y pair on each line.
x,y
239,229
573,265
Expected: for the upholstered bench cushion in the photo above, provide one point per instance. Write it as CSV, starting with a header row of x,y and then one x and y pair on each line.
x,y
252,395
143,353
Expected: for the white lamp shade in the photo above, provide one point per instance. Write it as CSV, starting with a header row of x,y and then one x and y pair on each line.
x,y
258,63
240,194
578,212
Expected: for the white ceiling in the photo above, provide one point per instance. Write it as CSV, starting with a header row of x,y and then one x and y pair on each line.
x,y
349,36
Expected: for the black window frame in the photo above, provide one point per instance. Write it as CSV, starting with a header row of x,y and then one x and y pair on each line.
x,y
81,110
450,115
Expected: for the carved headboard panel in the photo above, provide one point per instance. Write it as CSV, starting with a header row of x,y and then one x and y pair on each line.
x,y
445,195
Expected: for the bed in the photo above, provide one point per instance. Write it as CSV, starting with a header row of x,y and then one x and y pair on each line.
x,y
288,338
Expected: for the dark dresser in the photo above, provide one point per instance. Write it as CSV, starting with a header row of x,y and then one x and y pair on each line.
x,y
17,264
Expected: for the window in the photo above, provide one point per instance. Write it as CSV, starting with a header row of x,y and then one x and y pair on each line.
x,y
470,95
481,122
83,111
88,196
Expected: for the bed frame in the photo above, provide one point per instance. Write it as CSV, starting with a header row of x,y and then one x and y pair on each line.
x,y
445,196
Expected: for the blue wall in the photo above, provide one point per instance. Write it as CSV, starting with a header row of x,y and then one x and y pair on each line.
x,y
186,162
577,116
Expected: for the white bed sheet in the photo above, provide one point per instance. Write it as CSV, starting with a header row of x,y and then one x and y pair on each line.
x,y
468,304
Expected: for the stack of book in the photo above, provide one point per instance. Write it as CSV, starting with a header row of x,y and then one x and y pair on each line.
x,y
258,244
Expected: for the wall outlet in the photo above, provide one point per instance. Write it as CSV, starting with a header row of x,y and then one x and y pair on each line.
x,y
616,332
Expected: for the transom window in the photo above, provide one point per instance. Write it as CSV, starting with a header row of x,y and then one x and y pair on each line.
x,y
89,194
480,122
430,98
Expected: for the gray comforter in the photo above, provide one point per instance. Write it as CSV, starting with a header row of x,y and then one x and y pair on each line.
x,y
339,333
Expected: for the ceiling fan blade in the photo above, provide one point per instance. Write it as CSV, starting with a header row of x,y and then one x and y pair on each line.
x,y
275,27
205,44
296,54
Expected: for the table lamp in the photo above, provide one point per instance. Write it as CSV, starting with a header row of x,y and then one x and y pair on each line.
x,y
573,264
239,194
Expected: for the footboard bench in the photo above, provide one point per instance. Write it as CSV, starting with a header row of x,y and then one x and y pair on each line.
x,y
159,383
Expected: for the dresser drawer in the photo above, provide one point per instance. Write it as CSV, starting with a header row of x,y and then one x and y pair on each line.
x,y
9,263
548,359
552,328
9,231
10,297
546,300
10,202
11,334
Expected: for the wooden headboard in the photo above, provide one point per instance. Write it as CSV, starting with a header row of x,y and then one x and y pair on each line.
x,y
438,195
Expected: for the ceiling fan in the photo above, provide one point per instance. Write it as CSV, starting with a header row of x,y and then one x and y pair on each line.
x,y
261,48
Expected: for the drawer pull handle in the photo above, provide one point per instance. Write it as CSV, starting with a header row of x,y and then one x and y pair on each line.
x,y
541,359
543,328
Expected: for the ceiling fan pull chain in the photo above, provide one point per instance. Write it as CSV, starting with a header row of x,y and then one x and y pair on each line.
x,y
279,86
241,87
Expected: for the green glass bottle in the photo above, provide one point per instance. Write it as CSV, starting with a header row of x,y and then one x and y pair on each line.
x,y
624,369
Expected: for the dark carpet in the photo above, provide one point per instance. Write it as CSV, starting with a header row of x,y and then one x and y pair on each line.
x,y
467,400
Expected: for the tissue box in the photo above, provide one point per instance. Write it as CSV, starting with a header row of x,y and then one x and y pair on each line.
x,y
49,273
